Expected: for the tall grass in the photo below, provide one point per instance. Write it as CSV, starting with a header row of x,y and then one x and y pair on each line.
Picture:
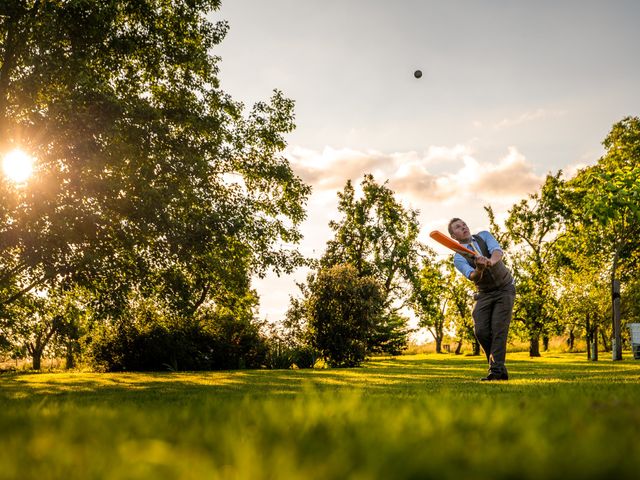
x,y
410,417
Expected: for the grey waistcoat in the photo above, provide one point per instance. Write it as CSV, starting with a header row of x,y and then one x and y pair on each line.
x,y
494,277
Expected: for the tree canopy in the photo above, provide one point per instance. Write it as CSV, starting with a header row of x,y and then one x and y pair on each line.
x,y
149,180
146,172
378,236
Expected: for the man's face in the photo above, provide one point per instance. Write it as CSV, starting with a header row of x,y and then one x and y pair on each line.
x,y
460,231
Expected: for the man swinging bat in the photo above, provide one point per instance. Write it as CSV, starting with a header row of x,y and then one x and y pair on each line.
x,y
495,293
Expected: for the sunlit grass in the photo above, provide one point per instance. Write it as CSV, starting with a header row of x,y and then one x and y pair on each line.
x,y
423,416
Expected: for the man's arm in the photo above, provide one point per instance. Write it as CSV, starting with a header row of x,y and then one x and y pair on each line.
x,y
494,248
477,273
496,256
467,270
462,265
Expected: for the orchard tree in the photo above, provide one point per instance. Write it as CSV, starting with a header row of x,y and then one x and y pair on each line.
x,y
430,299
460,293
535,311
146,174
533,226
32,334
443,302
39,324
604,201
583,301
379,238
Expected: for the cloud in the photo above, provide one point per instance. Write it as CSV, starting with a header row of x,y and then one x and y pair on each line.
x,y
331,168
411,174
512,176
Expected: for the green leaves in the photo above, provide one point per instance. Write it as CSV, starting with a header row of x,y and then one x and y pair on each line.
x,y
343,309
604,198
379,238
376,235
148,175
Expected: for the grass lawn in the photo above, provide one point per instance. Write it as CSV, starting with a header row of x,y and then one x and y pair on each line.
x,y
409,417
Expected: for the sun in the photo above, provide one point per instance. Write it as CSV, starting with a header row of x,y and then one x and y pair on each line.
x,y
17,166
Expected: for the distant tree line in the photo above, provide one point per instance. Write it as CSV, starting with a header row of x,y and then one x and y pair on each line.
x,y
568,244
156,198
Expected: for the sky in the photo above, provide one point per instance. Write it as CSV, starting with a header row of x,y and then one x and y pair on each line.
x,y
511,90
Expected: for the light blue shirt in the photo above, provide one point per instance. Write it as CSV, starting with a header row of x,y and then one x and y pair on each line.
x,y
462,264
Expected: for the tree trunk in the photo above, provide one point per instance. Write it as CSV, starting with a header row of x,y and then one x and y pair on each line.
x,y
534,347
476,348
36,349
593,345
36,358
605,342
571,340
616,347
459,347
588,335
545,343
438,345
70,358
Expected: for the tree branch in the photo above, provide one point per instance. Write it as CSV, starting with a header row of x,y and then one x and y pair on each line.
x,y
29,287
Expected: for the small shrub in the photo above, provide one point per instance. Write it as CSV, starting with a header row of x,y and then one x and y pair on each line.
x,y
304,357
211,343
342,310
280,356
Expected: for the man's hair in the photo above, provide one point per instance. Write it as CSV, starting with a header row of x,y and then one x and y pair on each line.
x,y
451,222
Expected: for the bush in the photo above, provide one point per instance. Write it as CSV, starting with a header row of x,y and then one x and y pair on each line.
x,y
211,343
282,356
342,309
304,357
237,343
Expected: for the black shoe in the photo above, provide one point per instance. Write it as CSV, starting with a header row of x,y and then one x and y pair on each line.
x,y
495,376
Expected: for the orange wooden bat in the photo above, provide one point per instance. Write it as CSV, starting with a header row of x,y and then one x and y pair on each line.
x,y
449,242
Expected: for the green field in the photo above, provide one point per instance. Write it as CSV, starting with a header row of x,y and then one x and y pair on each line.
x,y
410,417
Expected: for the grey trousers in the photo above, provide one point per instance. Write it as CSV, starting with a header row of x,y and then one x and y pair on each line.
x,y
491,319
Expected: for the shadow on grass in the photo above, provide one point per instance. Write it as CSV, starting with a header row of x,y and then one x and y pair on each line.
x,y
404,376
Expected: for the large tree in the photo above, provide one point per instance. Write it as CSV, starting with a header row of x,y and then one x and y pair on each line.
x,y
378,236
146,172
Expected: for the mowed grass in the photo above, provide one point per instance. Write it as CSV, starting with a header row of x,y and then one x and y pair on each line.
x,y
410,417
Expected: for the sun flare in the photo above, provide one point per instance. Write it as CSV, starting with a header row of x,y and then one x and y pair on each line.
x,y
17,165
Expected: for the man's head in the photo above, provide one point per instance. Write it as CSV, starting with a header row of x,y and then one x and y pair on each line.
x,y
459,230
